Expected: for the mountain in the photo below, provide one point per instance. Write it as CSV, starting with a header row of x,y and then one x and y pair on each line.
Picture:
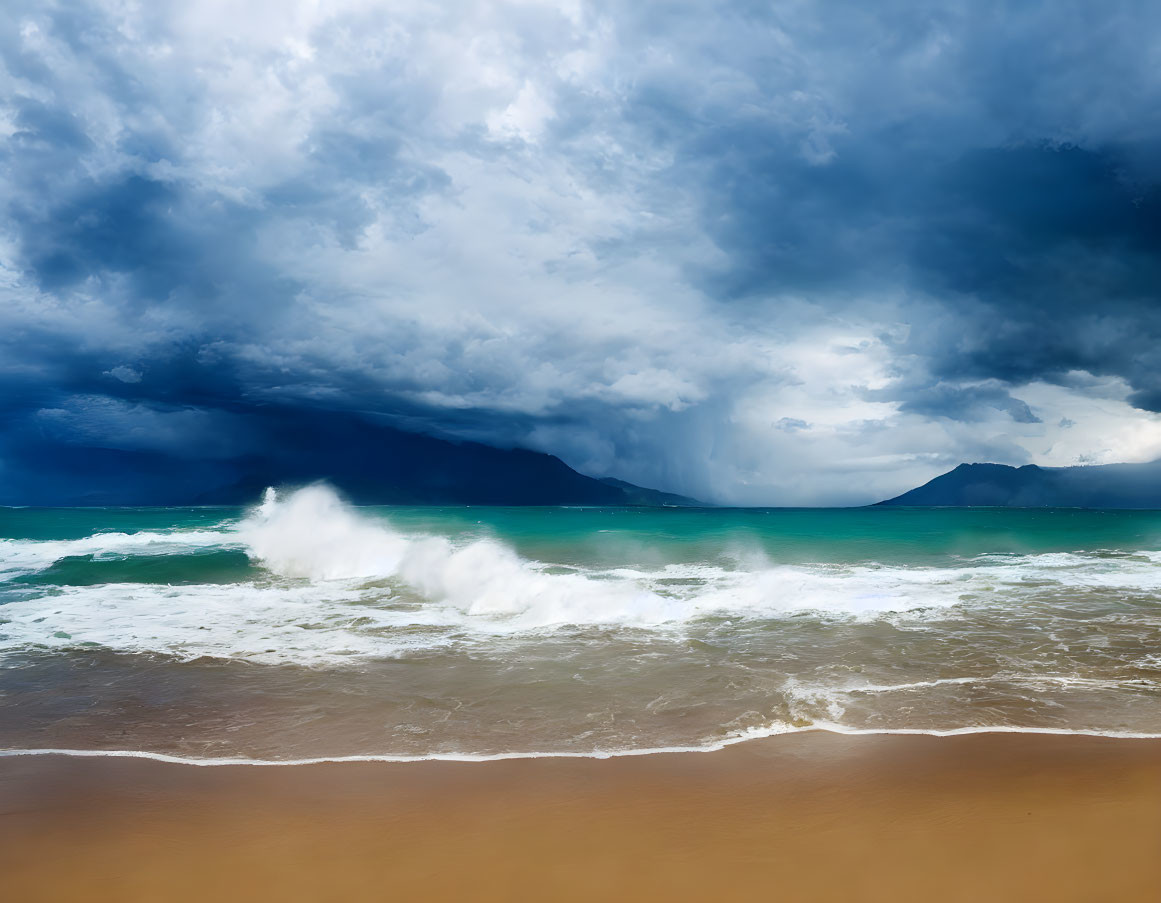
x,y
1094,486
651,498
369,462
401,468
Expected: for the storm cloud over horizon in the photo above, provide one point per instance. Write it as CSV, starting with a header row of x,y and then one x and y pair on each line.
x,y
796,253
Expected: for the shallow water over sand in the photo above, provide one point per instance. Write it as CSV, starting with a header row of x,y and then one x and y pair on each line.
x,y
306,628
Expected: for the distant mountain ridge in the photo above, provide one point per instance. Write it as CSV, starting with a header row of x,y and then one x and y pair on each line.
x,y
651,498
370,463
1000,485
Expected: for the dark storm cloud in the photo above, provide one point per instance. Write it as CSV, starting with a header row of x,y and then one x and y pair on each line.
x,y
963,182
967,403
596,231
124,227
1052,253
1038,256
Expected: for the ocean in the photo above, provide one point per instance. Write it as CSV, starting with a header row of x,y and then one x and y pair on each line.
x,y
305,628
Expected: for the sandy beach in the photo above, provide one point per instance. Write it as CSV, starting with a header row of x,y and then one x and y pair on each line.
x,y
805,817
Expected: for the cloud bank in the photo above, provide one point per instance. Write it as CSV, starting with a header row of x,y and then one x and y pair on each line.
x,y
796,253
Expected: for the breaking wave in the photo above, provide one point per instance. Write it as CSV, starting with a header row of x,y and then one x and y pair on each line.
x,y
19,557
307,627
344,585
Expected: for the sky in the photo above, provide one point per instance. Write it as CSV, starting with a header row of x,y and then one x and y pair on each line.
x,y
757,253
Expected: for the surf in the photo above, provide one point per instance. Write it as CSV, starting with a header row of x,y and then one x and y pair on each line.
x,y
304,626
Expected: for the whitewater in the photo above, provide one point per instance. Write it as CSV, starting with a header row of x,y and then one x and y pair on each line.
x,y
305,628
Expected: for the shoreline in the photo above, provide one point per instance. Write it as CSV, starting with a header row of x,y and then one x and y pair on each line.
x,y
597,755
810,815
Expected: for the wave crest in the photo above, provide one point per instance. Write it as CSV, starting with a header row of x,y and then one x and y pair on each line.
x,y
311,533
344,583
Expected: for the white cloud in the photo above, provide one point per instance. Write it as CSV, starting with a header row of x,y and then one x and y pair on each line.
x,y
527,210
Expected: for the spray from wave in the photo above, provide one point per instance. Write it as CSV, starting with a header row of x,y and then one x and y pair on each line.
x,y
311,533
364,631
344,584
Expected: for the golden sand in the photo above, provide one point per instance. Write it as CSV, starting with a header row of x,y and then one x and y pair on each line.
x,y
799,818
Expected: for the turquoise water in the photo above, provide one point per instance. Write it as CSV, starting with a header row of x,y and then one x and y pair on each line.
x,y
304,627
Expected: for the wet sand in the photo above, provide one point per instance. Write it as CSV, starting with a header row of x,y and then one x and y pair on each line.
x,y
799,818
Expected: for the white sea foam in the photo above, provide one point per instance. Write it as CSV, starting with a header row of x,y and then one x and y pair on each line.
x,y
1032,680
357,566
757,733
343,583
312,534
27,556
302,624
335,586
